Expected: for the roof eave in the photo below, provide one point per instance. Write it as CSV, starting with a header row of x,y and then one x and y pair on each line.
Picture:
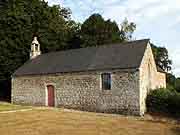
x,y
81,71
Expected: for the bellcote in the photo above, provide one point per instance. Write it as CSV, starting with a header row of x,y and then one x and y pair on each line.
x,y
35,48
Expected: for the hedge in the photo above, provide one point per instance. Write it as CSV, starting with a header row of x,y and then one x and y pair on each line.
x,y
164,100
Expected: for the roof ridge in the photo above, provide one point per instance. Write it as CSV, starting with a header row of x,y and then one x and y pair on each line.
x,y
103,45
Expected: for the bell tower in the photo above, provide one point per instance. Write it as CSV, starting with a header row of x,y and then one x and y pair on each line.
x,y
35,48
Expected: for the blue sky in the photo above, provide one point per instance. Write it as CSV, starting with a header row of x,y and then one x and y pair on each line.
x,y
158,20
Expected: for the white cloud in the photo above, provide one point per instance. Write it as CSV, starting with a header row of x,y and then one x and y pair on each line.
x,y
155,19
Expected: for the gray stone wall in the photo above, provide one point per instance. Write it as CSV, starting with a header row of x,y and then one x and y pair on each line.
x,y
81,91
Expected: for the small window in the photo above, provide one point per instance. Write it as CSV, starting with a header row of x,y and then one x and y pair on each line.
x,y
36,47
106,81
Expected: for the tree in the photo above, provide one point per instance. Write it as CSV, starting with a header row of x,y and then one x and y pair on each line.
x,y
22,19
170,80
97,31
177,85
75,37
127,30
162,58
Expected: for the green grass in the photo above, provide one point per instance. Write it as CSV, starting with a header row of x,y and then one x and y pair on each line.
x,y
59,122
55,121
10,107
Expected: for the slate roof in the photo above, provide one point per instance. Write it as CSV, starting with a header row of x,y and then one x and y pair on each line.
x,y
114,56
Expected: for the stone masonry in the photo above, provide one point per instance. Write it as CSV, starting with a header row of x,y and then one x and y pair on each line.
x,y
150,78
81,91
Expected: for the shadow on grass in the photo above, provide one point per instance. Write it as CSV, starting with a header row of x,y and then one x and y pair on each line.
x,y
162,115
176,130
5,99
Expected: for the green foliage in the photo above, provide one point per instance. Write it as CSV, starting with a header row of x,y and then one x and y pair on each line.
x,y
127,30
177,85
75,37
97,31
170,79
170,87
161,57
173,83
164,100
22,20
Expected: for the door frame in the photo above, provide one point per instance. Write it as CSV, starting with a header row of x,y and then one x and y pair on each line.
x,y
46,94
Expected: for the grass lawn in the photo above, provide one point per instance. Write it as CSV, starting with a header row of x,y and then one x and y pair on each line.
x,y
9,107
60,122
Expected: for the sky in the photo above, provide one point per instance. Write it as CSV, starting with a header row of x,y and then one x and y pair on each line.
x,y
158,20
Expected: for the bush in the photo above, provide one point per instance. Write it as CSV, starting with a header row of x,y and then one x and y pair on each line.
x,y
164,100
177,85
170,87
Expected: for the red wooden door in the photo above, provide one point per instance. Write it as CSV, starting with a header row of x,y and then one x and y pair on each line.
x,y
50,89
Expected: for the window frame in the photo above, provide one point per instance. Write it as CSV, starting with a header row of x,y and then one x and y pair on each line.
x,y
106,81
36,47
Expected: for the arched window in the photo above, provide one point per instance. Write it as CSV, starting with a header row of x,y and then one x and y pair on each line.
x,y
106,81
